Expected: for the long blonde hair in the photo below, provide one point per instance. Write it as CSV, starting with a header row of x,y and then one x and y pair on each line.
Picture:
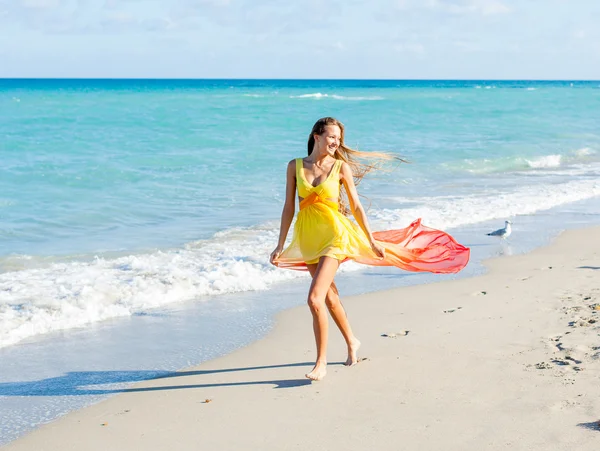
x,y
361,163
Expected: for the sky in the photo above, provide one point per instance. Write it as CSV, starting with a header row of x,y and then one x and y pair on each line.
x,y
357,39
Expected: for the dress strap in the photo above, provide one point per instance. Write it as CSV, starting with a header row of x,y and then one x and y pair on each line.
x,y
337,167
299,166
298,169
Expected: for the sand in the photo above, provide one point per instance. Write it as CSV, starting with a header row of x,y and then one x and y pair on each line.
x,y
507,360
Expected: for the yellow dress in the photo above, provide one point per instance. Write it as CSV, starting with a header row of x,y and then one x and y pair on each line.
x,y
321,230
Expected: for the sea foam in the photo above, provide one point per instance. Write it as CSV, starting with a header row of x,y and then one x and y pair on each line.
x,y
63,295
447,212
548,161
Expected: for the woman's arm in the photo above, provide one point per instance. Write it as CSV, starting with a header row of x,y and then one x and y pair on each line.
x,y
289,207
357,209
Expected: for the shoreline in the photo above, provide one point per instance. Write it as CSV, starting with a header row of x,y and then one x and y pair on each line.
x,y
395,392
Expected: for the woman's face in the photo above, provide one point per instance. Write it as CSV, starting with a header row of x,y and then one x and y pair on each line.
x,y
329,140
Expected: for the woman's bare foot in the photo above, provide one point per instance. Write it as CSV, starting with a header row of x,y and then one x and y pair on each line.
x,y
318,372
352,350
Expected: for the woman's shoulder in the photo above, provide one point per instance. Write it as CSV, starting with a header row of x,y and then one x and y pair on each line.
x,y
296,161
293,164
342,165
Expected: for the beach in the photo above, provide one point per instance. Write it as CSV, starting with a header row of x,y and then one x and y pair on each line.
x,y
130,255
505,360
145,181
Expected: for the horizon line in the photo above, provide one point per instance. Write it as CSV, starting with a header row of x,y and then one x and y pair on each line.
x,y
299,79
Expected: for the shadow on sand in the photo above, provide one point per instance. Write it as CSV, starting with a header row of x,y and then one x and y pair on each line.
x,y
80,383
594,425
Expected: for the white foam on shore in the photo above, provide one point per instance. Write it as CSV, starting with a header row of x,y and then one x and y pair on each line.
x,y
73,294
50,296
584,152
565,161
448,212
547,161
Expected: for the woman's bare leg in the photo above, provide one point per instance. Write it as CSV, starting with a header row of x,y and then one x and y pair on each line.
x,y
322,279
338,313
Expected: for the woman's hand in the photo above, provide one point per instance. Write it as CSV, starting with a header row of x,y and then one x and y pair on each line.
x,y
275,254
378,249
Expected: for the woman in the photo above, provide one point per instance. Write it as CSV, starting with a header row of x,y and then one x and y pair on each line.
x,y
324,237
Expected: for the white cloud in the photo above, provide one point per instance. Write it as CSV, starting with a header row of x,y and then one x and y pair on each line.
x,y
268,18
270,37
90,16
491,7
40,4
459,7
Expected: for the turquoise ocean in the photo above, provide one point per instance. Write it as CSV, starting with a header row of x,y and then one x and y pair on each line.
x,y
137,216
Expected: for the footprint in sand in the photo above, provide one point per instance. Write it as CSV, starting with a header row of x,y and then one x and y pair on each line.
x,y
556,342
574,360
402,333
557,362
582,322
573,351
567,354
566,404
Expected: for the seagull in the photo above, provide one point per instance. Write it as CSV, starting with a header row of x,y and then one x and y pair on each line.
x,y
503,232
